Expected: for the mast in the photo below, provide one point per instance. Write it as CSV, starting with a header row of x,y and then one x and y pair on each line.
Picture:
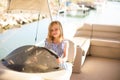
x,y
49,10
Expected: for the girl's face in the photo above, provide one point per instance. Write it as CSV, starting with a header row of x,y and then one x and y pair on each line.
x,y
55,31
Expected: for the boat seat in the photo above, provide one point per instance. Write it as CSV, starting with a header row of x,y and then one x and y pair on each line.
x,y
104,39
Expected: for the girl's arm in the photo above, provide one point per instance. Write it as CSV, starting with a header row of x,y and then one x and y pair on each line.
x,y
65,53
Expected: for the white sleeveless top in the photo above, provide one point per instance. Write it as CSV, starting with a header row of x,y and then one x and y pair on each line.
x,y
58,48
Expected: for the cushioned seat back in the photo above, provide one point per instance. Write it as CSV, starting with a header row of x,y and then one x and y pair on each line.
x,y
84,31
106,31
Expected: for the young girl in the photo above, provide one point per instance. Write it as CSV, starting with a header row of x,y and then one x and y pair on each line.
x,y
55,41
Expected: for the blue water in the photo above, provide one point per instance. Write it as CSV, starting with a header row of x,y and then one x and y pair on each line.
x,y
14,38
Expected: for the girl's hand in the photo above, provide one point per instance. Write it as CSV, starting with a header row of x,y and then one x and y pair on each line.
x,y
59,60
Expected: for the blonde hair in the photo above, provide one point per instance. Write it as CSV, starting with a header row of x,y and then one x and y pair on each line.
x,y
50,38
